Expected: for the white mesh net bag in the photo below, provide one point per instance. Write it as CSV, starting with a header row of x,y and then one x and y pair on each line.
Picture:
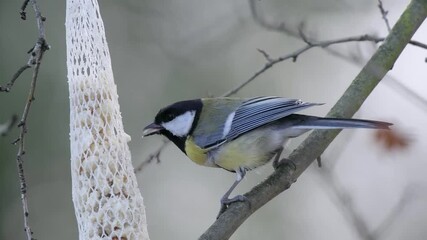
x,y
107,201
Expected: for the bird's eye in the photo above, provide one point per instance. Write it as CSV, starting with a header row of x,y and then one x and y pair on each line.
x,y
169,116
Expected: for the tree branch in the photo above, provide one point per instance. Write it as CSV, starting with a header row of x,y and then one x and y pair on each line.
x,y
312,147
294,56
153,156
15,76
36,55
345,201
283,28
384,15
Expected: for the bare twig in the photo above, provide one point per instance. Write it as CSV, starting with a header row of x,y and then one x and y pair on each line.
x,y
384,15
153,156
23,7
299,34
294,56
36,55
296,33
265,54
15,76
21,149
7,126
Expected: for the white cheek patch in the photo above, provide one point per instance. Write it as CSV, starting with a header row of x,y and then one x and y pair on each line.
x,y
227,124
181,125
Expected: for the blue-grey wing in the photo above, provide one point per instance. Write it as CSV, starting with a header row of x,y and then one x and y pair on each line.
x,y
216,111
260,111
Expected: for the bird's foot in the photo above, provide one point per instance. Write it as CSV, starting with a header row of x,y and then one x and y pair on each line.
x,y
225,203
238,198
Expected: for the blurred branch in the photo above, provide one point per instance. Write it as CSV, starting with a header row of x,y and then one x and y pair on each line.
x,y
7,126
345,201
355,59
391,81
384,15
394,214
314,145
294,56
36,55
409,93
283,28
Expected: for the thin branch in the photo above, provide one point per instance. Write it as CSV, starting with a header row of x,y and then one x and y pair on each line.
x,y
21,149
23,12
294,56
384,15
314,145
36,55
299,34
265,54
283,28
15,76
153,156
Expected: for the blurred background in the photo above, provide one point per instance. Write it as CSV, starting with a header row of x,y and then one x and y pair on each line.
x,y
165,51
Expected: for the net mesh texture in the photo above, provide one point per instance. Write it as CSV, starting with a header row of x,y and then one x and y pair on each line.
x,y
107,201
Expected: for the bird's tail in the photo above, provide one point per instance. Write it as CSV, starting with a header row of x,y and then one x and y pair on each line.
x,y
337,123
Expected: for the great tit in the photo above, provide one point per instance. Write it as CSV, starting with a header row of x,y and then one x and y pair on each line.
x,y
240,134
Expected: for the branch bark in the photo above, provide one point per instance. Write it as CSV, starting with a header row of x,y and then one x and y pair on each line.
x,y
312,147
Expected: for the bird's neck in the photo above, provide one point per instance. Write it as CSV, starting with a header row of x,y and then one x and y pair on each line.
x,y
178,141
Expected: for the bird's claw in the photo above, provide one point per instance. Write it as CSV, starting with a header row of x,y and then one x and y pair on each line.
x,y
238,198
225,203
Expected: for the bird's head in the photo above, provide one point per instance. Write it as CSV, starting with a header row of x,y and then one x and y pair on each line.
x,y
176,120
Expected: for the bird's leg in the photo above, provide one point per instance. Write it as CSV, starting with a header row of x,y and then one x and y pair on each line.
x,y
225,201
276,161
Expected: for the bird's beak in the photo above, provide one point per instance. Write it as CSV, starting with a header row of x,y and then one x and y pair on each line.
x,y
151,129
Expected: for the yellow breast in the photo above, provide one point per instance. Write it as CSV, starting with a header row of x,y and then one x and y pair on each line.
x,y
254,149
194,152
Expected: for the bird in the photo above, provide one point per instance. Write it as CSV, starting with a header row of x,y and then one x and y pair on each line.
x,y
241,134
